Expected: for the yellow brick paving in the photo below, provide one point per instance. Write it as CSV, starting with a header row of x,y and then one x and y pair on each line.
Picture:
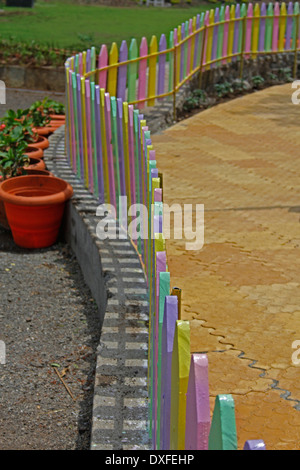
x,y
241,291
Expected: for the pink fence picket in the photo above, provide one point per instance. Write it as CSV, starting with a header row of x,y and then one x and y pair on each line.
x,y
103,62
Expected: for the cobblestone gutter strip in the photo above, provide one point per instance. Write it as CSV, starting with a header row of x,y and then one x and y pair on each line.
x,y
113,272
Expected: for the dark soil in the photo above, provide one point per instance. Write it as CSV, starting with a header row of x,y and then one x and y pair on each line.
x,y
48,322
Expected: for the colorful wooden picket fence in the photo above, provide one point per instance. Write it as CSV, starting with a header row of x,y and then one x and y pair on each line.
x,y
110,150
142,74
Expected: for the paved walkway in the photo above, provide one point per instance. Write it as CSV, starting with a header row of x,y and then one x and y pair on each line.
x,y
241,292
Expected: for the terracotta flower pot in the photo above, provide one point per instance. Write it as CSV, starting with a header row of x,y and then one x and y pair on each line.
x,y
34,207
34,152
35,164
41,143
58,117
56,123
34,171
44,131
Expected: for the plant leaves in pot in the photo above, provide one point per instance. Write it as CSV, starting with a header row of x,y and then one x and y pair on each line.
x,y
34,207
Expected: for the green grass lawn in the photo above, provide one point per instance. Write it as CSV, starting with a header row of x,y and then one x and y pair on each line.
x,y
66,25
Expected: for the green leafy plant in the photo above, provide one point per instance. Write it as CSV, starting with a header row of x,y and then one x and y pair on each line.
x,y
12,157
52,107
257,81
223,89
18,119
37,116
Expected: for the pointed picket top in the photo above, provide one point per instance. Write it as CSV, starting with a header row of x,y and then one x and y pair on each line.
x,y
255,444
222,434
198,408
142,73
102,62
122,71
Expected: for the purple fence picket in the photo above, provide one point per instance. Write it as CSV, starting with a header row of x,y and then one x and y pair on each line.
x,y
255,444
226,33
80,63
161,65
289,26
189,48
168,331
248,30
103,62
197,408
262,27
122,71
197,45
72,120
142,79
206,23
182,52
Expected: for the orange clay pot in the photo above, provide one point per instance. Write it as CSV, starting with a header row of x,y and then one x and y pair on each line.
x,y
41,143
57,117
35,164
34,207
34,152
44,131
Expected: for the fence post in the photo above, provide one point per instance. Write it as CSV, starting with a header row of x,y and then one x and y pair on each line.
x,y
176,291
296,47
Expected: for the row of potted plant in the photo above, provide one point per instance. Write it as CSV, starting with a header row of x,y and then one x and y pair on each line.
x,y
31,198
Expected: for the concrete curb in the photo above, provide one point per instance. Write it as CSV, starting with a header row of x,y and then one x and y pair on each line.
x,y
113,272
